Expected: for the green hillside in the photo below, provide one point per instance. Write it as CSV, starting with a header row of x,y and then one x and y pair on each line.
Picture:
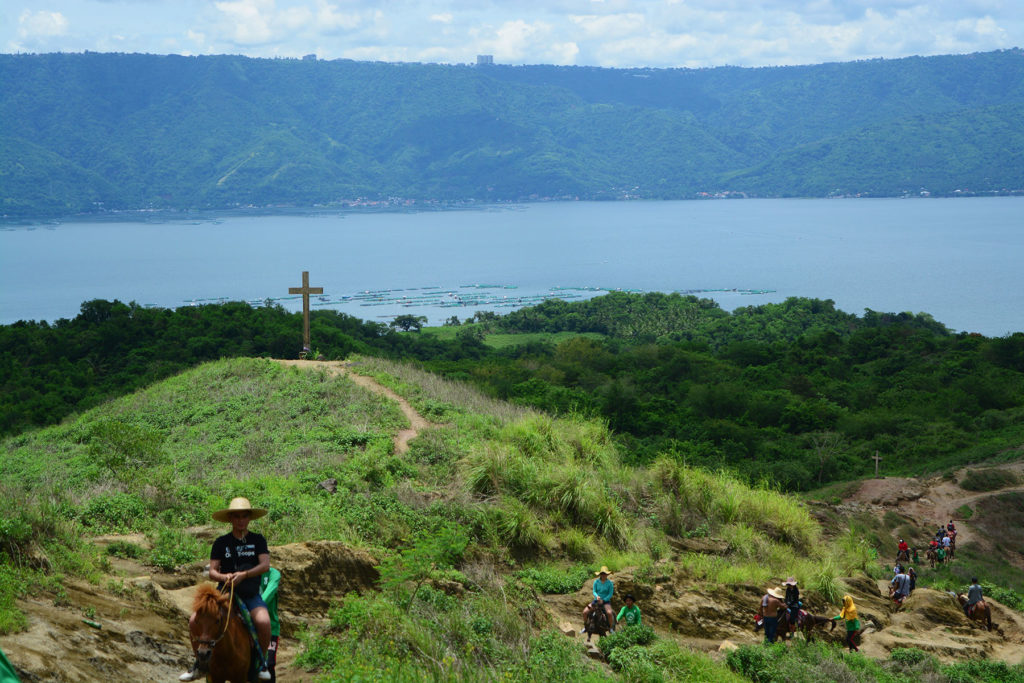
x,y
492,484
490,515
116,131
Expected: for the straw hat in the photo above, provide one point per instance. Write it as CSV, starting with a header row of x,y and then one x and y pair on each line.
x,y
603,570
791,581
238,505
777,593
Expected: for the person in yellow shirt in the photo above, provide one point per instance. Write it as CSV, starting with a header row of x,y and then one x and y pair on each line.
x,y
849,613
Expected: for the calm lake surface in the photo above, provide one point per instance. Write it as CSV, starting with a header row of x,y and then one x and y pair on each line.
x,y
957,259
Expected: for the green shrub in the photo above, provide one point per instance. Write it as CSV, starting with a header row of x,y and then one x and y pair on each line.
x,y
988,479
753,662
635,664
553,658
641,634
984,671
555,580
1008,597
125,549
910,655
116,513
173,548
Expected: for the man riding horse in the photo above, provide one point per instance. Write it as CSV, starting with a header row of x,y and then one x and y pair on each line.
x,y
899,588
237,560
974,596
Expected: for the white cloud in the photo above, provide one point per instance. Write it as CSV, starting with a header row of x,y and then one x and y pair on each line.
x,y
609,25
330,20
250,20
513,39
41,24
442,18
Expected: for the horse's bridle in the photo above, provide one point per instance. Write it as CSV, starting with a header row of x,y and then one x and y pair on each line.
x,y
227,621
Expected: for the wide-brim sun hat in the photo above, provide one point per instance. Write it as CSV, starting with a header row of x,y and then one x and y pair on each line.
x,y
602,570
238,505
777,593
791,581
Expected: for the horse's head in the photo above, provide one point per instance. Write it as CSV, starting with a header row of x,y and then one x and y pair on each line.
x,y
211,609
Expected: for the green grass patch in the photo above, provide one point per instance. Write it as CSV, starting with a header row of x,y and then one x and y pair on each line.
x,y
552,579
988,479
965,512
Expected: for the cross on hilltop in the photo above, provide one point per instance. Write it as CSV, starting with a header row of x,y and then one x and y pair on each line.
x,y
305,290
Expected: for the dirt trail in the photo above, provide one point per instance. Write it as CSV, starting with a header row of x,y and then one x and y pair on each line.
x,y
416,421
933,502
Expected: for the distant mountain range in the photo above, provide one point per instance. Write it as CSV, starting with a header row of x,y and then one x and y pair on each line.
x,y
100,132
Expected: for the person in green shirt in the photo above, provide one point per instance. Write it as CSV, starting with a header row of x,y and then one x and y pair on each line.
x,y
630,612
269,583
7,672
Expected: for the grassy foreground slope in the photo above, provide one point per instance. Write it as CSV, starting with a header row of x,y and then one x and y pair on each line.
x,y
485,512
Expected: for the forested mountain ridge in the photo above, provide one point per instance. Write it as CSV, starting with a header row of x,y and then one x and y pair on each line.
x,y
88,132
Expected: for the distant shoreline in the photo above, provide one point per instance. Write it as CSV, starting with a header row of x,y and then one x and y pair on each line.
x,y
167,215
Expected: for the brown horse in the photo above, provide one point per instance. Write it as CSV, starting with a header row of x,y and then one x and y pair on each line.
x,y
807,623
932,556
897,598
224,647
980,613
597,622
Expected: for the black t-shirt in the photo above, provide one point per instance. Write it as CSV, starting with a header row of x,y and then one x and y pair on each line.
x,y
237,556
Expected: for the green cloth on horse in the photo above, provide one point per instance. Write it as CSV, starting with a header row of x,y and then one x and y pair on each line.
x,y
7,672
270,580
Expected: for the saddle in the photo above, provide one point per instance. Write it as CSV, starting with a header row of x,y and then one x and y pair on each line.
x,y
971,608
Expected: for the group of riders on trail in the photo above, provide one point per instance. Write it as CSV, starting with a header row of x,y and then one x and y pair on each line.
x,y
598,617
780,615
240,564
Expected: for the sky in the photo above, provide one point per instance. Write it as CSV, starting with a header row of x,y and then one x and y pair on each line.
x,y
611,33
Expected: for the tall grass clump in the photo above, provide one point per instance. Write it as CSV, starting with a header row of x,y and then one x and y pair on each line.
x,y
547,475
722,499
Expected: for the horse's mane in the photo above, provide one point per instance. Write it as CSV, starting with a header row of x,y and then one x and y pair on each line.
x,y
208,599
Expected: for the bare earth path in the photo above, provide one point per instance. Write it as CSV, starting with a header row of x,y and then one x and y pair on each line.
x,y
416,421
934,501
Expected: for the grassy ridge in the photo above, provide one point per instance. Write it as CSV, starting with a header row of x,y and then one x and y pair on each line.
x,y
492,491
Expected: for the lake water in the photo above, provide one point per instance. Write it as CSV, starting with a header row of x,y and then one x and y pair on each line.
x,y
958,259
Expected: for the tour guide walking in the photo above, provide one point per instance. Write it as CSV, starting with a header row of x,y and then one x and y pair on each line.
x,y
239,558
771,604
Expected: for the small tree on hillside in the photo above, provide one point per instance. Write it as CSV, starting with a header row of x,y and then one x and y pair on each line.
x,y
408,322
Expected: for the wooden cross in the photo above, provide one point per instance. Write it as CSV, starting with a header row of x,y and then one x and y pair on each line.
x,y
305,290
876,457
